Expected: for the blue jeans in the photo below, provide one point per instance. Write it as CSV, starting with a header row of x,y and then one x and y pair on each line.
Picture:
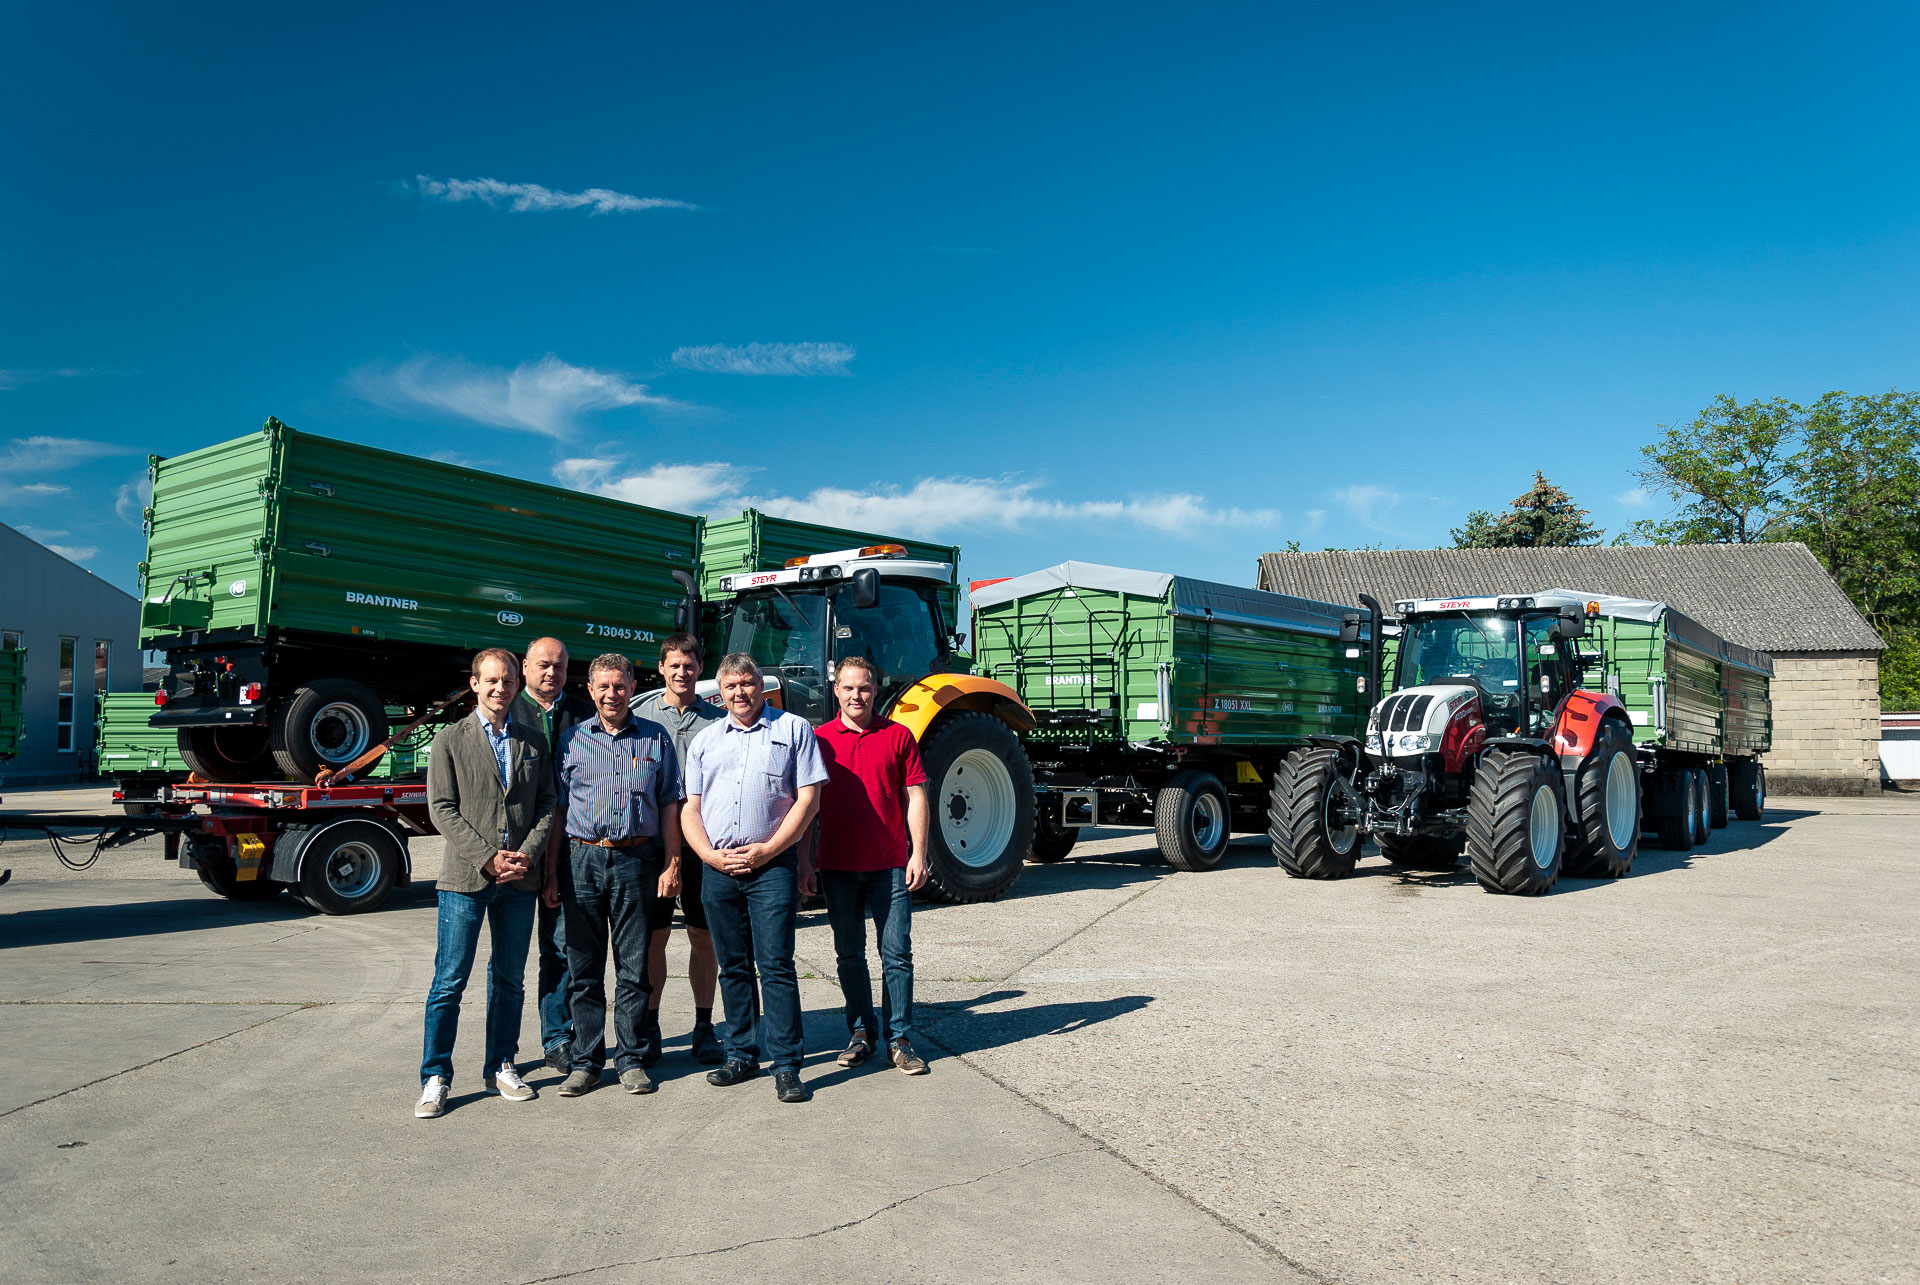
x,y
556,1002
750,918
851,896
604,892
508,913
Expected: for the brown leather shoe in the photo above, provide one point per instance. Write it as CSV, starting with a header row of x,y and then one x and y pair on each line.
x,y
907,1060
859,1049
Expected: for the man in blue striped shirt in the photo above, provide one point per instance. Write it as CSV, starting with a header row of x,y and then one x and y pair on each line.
x,y
753,784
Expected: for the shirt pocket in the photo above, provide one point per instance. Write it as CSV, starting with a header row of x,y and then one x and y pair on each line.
x,y
777,760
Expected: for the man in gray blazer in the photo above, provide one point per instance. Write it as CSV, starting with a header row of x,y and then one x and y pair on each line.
x,y
490,790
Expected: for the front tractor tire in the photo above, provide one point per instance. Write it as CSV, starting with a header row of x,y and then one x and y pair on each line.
x,y
1420,851
1516,825
1192,820
326,724
983,806
1607,788
1309,840
228,755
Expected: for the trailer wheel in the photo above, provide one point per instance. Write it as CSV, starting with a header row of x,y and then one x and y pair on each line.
x,y
1608,789
1674,826
1192,820
1420,851
1717,796
228,755
1702,825
349,868
1747,785
1051,840
326,724
215,866
983,806
1516,823
1308,841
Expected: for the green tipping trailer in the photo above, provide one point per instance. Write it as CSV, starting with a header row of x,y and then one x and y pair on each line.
x,y
13,713
1162,699
756,541
299,585
1699,705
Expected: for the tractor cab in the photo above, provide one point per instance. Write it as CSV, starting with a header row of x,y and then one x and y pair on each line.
x,y
802,620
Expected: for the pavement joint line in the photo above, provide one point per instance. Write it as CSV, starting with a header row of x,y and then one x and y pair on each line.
x,y
1259,1242
1091,923
164,1057
812,1235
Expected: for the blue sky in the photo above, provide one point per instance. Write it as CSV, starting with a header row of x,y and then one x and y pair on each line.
x,y
1163,286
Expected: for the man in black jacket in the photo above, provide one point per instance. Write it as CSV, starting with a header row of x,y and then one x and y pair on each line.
x,y
548,708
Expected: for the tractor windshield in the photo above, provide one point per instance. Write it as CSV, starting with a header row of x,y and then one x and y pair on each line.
x,y
899,634
1482,648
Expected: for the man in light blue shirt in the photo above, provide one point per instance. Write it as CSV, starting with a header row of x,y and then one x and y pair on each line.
x,y
753,784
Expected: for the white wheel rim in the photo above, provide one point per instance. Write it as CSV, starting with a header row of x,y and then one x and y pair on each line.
x,y
340,732
1759,790
352,870
1543,827
1623,801
976,808
1209,821
1340,839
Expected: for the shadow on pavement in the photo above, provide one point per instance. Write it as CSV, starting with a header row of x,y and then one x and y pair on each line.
x,y
959,1029
60,925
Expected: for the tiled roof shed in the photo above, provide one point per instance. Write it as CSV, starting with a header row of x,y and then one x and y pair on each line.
x,y
1773,597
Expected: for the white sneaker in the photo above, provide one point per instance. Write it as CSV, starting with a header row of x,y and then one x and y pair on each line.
x,y
433,1099
506,1082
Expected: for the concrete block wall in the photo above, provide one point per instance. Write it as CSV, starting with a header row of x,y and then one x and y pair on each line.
x,y
1826,724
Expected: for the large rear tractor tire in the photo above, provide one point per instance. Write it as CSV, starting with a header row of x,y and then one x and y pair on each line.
x,y
1674,827
1192,820
349,868
1607,788
1051,840
1516,825
327,724
228,755
983,806
1717,796
215,866
1309,841
1747,788
1420,851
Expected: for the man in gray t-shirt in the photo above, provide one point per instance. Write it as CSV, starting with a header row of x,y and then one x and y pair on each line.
x,y
682,715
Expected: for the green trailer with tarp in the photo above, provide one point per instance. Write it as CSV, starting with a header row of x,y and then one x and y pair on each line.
x,y
301,585
1701,709
1161,699
13,690
757,541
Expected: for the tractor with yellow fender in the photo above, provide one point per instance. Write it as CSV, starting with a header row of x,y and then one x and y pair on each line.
x,y
799,621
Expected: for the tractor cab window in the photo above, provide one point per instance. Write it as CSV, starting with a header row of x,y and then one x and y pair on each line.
x,y
899,634
1482,650
786,634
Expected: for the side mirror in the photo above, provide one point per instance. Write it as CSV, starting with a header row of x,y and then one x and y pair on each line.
x,y
865,588
1571,624
1350,627
686,614
956,640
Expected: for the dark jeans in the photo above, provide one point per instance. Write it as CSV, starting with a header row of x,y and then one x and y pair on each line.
x,y
750,918
851,896
556,1005
508,912
604,894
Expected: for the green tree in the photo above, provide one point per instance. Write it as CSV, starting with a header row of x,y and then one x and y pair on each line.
x,y
1729,471
1545,516
1856,495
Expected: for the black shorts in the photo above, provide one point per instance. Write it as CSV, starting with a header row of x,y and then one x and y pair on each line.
x,y
660,909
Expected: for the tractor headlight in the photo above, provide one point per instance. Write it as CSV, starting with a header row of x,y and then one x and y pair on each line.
x,y
1413,742
1373,740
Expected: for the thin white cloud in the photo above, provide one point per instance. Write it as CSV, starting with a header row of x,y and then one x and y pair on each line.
x,y
52,454
74,552
545,396
930,507
42,534
1637,498
1370,505
131,499
765,359
11,379
1316,518
532,198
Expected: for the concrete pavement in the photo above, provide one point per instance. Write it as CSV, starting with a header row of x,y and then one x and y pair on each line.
x,y
1702,1072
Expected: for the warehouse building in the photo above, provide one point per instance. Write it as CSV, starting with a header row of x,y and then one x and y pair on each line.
x,y
1773,597
82,637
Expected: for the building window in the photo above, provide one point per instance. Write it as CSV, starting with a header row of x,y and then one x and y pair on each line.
x,y
63,731
11,640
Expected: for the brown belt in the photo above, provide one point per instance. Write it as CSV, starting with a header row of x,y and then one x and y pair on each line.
x,y
615,843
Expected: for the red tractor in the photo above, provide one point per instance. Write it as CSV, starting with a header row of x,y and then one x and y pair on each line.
x,y
1488,744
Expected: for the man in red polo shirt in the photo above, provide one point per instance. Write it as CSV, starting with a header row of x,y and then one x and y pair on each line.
x,y
875,799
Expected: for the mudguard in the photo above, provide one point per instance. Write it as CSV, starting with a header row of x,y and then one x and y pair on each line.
x,y
1578,723
917,706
